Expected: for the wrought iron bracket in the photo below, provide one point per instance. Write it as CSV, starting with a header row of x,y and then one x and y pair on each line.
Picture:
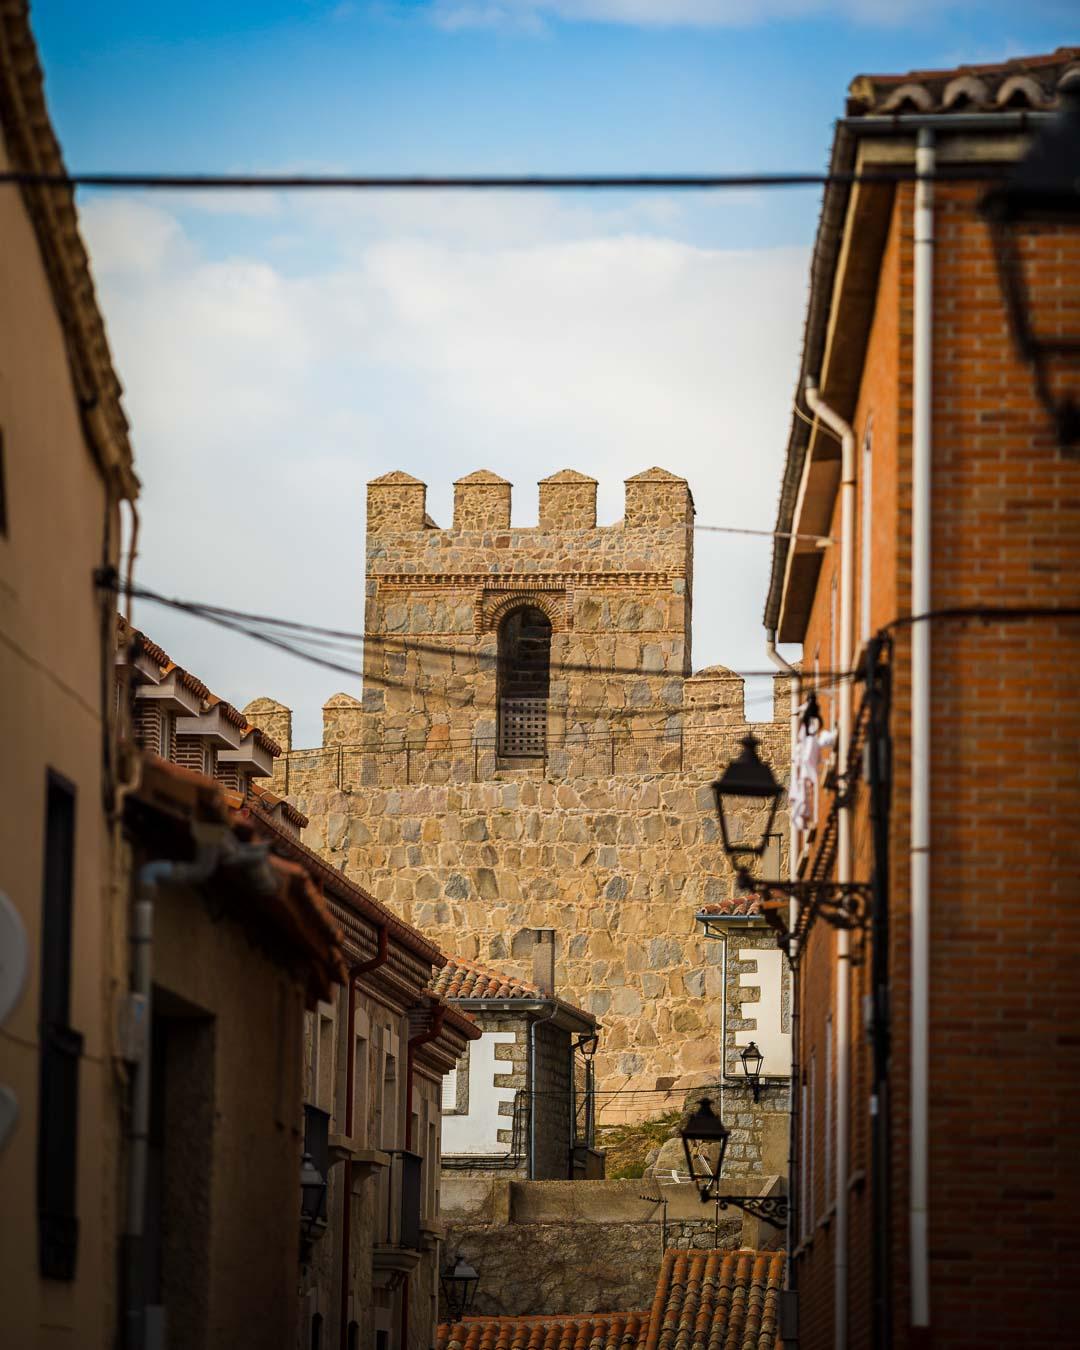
x,y
770,1209
841,904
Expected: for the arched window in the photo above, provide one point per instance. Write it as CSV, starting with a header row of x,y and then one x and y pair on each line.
x,y
524,680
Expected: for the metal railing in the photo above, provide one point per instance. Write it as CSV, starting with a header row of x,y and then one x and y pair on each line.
x,y
573,754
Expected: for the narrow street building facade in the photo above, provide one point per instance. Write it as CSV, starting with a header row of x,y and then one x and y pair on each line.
x,y
937,1058
65,470
294,1035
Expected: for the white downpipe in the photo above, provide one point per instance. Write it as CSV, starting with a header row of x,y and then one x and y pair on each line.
x,y
796,697
841,1020
921,451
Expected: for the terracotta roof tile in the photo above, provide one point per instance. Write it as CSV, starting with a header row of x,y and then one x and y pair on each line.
x,y
31,146
1025,82
294,908
714,1298
735,905
705,1300
583,1331
469,979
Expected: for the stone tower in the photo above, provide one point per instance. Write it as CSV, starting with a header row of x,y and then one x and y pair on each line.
x,y
532,751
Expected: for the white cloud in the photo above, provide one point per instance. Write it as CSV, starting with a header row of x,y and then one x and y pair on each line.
x,y
519,335
531,14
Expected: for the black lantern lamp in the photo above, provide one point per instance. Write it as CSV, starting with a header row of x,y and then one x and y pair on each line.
x,y
705,1140
746,786
459,1281
1043,190
587,1044
752,1060
312,1198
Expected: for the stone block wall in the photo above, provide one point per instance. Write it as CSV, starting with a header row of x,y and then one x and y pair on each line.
x,y
612,839
587,1246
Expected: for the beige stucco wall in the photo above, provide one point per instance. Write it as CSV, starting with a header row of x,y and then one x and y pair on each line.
x,y
50,716
236,1271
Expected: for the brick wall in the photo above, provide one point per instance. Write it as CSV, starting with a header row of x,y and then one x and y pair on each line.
x,y
1005,923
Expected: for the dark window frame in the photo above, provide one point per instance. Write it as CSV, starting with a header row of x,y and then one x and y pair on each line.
x,y
61,1045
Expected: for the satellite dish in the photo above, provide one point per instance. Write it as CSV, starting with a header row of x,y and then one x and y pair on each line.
x,y
13,949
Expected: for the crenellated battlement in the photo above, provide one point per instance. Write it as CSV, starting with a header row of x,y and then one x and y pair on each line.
x,y
655,498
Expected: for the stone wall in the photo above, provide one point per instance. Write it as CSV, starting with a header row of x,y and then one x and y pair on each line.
x,y
612,838
587,1246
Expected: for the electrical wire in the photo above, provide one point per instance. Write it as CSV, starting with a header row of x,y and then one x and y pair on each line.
x,y
709,182
255,626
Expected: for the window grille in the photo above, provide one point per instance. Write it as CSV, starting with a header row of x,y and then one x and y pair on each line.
x,y
523,726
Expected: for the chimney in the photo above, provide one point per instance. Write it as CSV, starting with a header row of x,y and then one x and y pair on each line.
x,y
543,961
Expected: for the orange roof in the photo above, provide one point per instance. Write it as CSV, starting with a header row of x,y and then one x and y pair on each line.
x,y
704,1299
470,979
270,800
342,889
133,638
31,147
737,906
717,1298
585,1331
294,909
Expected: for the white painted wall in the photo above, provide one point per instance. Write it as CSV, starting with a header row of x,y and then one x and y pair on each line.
x,y
478,1132
767,1010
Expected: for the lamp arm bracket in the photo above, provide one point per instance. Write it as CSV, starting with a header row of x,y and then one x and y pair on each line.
x,y
770,1209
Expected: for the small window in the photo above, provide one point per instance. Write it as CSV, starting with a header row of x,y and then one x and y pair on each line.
x,y
61,1047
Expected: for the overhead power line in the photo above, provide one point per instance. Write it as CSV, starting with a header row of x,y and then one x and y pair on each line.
x,y
472,182
285,633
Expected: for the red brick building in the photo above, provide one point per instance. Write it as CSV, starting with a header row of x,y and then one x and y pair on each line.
x,y
936,1131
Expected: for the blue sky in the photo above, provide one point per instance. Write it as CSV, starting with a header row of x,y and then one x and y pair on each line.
x,y
287,350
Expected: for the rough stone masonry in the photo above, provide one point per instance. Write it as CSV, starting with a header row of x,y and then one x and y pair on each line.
x,y
609,835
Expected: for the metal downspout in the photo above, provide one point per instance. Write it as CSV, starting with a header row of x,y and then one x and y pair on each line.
x,y
841,1021
921,455
791,1279
361,968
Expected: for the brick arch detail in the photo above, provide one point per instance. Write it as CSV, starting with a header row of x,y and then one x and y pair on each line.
x,y
491,612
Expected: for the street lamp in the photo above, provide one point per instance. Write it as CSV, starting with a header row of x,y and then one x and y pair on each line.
x,y
745,786
312,1195
459,1282
705,1140
752,1060
747,782
1041,194
587,1044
